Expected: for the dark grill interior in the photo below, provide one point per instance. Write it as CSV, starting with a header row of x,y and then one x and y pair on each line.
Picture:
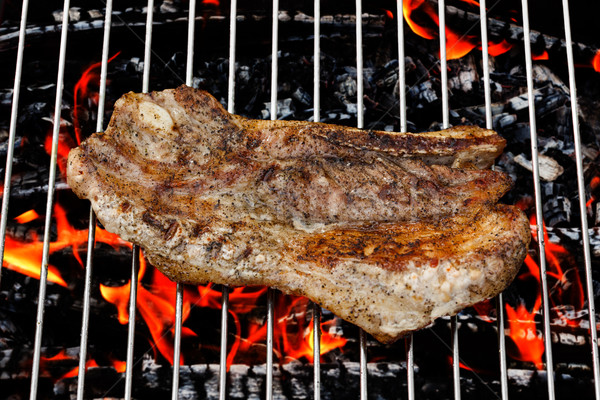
x,y
481,373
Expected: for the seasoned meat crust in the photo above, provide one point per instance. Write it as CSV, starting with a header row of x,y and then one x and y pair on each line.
x,y
387,230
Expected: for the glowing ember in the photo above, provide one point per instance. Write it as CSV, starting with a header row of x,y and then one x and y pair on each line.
x,y
27,216
596,61
458,46
542,56
496,49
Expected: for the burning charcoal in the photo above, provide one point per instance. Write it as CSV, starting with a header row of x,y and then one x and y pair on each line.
x,y
549,168
302,96
167,6
285,109
557,210
422,94
503,120
520,103
465,74
549,103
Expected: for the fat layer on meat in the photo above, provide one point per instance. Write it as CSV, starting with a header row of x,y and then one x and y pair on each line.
x,y
387,230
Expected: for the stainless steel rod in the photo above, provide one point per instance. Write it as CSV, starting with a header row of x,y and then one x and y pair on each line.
x,y
274,60
538,200
49,203
488,125
223,353
270,328
316,351
360,114
232,45
582,199
317,63
177,341
410,366
363,365
360,123
401,66
189,73
317,118
445,125
148,47
410,362
485,64
133,286
135,258
225,290
455,357
273,110
86,306
502,346
12,131
189,66
92,220
443,64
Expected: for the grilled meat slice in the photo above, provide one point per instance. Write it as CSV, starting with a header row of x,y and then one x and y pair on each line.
x,y
387,230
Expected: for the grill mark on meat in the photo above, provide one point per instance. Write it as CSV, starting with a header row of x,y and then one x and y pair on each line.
x,y
364,223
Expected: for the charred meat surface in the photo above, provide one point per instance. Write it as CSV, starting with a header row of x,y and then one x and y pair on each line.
x,y
387,230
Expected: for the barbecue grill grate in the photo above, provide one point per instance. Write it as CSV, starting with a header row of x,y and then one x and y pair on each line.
x,y
316,116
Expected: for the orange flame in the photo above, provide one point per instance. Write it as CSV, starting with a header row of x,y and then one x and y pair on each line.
x,y
596,61
62,357
86,88
496,49
522,327
26,257
457,45
567,289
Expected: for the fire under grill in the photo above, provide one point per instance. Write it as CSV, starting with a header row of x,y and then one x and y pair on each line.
x,y
73,325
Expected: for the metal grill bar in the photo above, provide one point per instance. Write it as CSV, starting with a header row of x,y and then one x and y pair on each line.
x,y
445,125
12,131
270,328
86,304
232,45
317,118
538,200
177,341
410,354
316,352
360,123
582,198
49,204
92,220
135,258
443,64
133,286
270,293
502,346
225,289
189,72
223,354
148,47
488,125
